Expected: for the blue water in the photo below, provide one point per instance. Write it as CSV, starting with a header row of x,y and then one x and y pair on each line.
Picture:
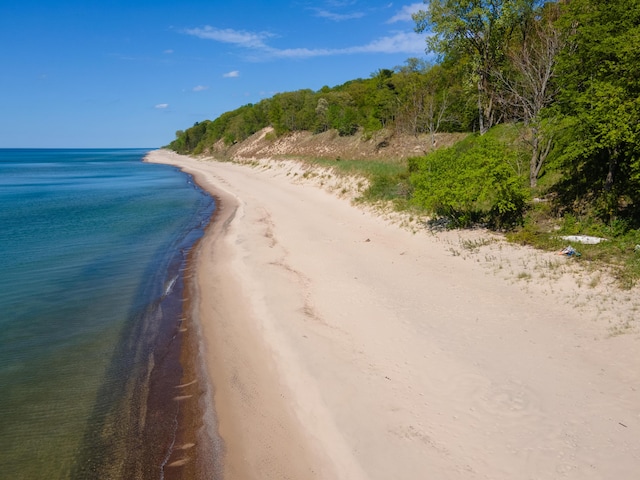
x,y
91,242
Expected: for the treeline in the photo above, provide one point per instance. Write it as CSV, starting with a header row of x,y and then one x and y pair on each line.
x,y
565,72
414,98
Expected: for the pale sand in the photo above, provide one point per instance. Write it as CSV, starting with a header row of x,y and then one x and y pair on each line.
x,y
341,346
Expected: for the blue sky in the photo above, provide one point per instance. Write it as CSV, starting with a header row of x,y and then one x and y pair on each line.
x,y
130,73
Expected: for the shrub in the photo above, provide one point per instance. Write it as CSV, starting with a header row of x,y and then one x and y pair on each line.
x,y
471,185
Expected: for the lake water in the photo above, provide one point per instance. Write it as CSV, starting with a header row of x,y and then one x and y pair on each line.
x,y
91,246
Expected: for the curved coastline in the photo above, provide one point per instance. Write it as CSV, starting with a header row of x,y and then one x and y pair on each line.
x,y
138,437
199,449
194,449
338,346
243,416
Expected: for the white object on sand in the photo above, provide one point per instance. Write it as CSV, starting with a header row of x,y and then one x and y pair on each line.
x,y
584,239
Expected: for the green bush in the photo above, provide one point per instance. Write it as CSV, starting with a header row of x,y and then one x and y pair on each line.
x,y
344,120
229,139
471,185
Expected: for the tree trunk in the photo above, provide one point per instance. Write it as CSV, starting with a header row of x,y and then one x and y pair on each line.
x,y
533,174
613,162
480,110
540,151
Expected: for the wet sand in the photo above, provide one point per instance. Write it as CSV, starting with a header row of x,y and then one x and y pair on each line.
x,y
340,346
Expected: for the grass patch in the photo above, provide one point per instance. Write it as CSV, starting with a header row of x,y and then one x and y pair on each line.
x,y
618,254
524,276
475,245
365,168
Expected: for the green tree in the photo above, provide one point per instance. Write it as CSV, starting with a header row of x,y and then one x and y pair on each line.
x,y
217,128
423,100
527,86
292,111
322,120
475,31
383,97
600,100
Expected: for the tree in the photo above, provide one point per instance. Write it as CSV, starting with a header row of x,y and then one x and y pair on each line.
x,y
384,98
322,121
600,99
478,29
341,113
423,100
437,102
412,99
414,65
528,87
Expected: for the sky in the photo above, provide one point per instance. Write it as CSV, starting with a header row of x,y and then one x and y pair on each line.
x,y
121,74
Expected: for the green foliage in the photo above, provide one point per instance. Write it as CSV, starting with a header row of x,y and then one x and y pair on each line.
x,y
364,105
532,235
365,168
600,91
188,140
583,133
618,253
470,184
343,119
477,31
388,186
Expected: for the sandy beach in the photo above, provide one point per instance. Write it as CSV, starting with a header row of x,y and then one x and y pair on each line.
x,y
341,345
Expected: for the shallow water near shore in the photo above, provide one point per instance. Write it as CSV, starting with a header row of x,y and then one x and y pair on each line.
x,y
93,243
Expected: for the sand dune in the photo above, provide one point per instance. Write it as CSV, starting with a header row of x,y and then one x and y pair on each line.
x,y
341,346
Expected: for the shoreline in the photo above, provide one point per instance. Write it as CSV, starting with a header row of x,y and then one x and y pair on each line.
x,y
135,425
195,452
177,383
241,436
340,346
168,407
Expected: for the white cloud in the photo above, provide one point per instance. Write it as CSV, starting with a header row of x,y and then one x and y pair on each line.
x,y
232,74
404,15
162,106
338,17
227,35
400,42
168,52
200,88
301,52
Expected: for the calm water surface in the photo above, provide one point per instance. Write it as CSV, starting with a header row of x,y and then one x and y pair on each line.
x,y
91,243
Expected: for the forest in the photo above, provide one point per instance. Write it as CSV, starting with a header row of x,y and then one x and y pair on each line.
x,y
549,93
